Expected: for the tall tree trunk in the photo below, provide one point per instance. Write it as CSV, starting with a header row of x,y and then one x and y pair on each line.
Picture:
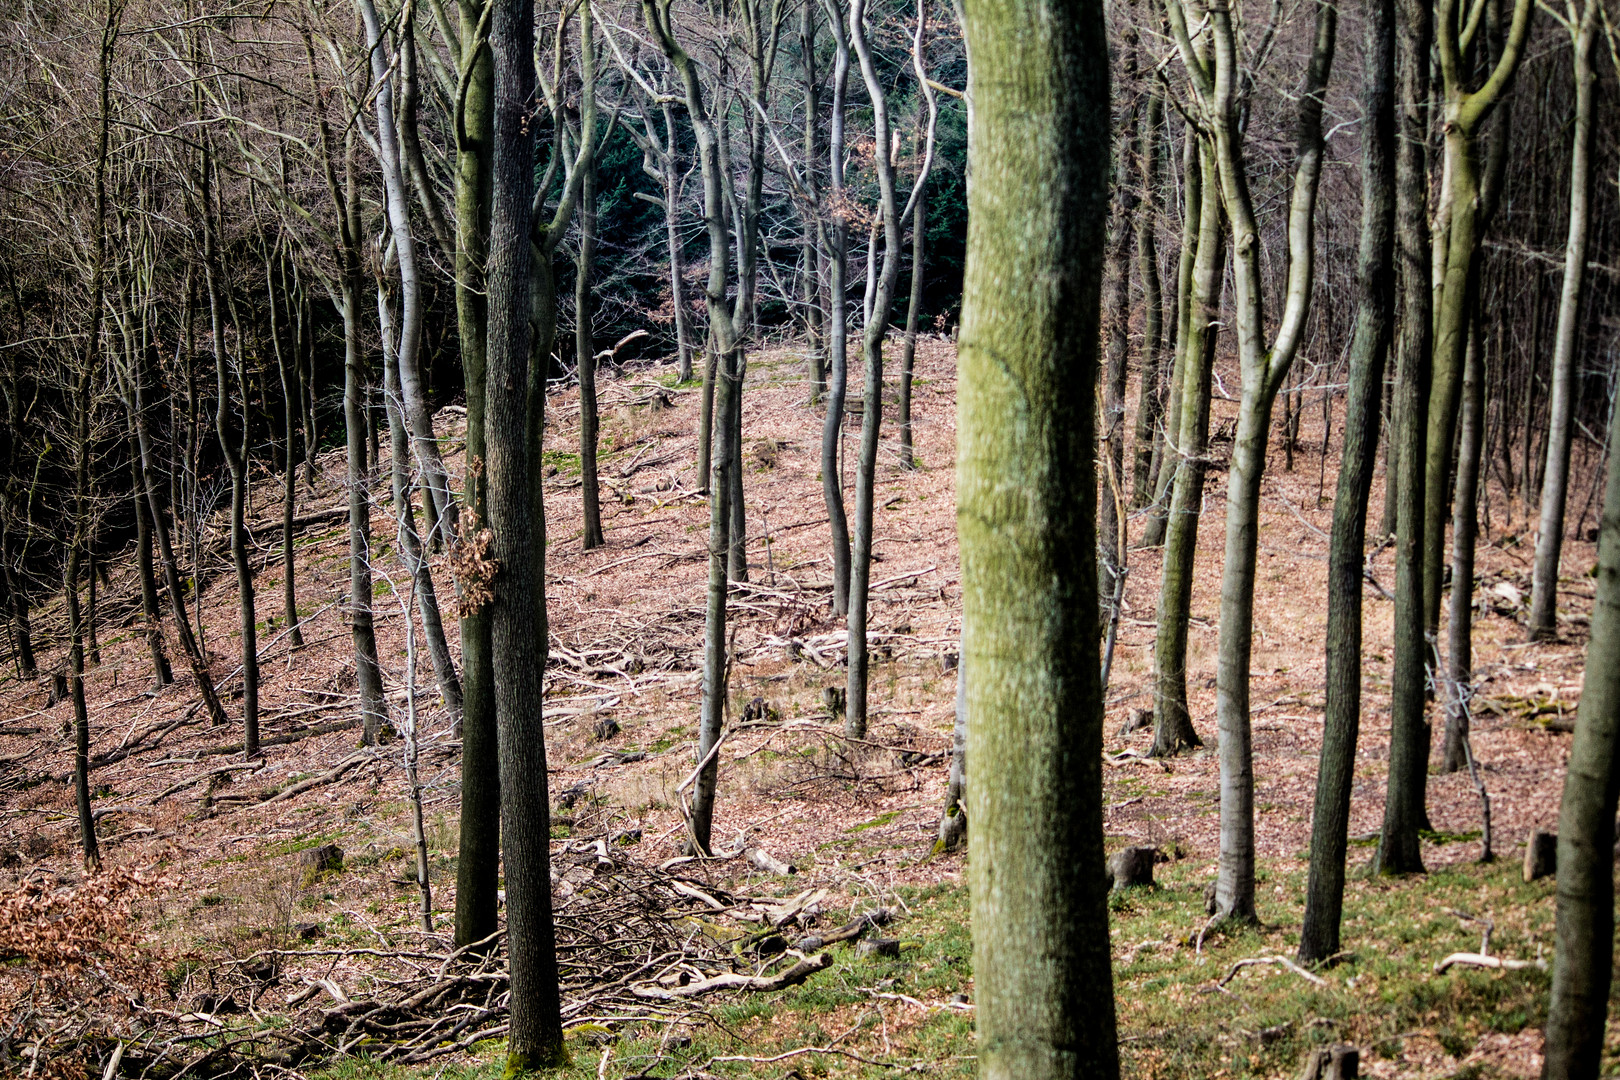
x,y
1117,304
1187,439
725,353
677,263
811,242
151,613
585,358
411,554
373,709
1150,400
236,465
1578,1010
1167,440
152,492
424,442
1369,352
1464,532
518,613
716,659
1264,368
908,353
1566,342
82,532
1026,487
478,863
873,333
291,397
1398,849
838,320
1460,224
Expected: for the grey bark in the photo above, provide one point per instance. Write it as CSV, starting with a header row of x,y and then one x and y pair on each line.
x,y
1369,352
1566,340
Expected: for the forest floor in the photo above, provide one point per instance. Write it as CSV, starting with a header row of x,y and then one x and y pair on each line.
x,y
220,851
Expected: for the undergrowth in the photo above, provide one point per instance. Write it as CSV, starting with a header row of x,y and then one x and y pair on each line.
x,y
1381,994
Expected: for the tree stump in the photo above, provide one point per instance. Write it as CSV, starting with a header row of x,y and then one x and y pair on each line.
x,y
1540,855
1131,866
1141,720
880,946
1332,1063
316,861
58,689
833,698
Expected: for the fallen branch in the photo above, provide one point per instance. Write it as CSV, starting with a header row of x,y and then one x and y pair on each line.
x,y
343,766
730,980
765,861
283,740
1280,960
1469,959
200,777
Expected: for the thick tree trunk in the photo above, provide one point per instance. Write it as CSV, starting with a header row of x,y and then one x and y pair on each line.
x,y
1398,849
518,613
1460,223
1369,352
81,715
1578,1010
1026,484
478,862
1186,438
1566,342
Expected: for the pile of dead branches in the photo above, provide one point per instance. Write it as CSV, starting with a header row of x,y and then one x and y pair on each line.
x,y
635,945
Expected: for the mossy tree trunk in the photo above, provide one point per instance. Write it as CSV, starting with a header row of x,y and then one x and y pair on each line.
x,y
1578,1010
1026,520
1186,438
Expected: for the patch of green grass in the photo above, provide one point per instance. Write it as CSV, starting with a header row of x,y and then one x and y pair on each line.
x,y
563,460
877,822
